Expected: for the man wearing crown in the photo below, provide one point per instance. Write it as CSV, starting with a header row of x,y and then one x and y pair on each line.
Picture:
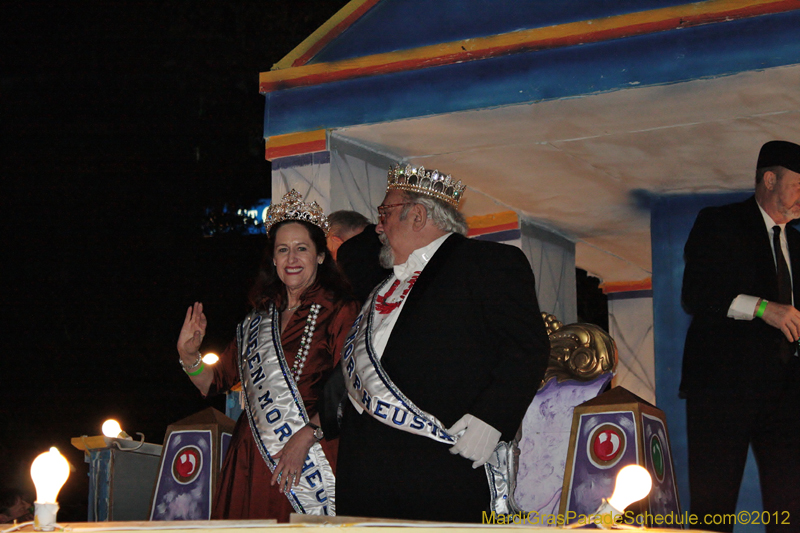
x,y
441,364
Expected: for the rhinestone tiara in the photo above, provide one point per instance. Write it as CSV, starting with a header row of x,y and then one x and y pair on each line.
x,y
427,182
292,207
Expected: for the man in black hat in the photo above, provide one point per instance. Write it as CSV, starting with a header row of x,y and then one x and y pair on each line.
x,y
741,373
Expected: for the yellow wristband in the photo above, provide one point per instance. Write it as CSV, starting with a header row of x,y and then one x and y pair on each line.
x,y
761,308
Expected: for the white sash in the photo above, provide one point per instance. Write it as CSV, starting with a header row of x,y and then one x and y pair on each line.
x,y
370,387
275,410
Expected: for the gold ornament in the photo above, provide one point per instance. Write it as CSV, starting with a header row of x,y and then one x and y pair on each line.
x,y
427,182
578,351
292,207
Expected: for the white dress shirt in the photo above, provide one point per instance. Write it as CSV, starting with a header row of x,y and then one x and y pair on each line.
x,y
383,324
743,306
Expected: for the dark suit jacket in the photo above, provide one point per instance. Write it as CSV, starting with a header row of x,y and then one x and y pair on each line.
x,y
729,253
470,339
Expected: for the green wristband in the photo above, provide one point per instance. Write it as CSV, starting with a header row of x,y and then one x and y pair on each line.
x,y
761,308
198,371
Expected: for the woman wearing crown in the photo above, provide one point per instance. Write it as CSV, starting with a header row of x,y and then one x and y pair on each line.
x,y
278,461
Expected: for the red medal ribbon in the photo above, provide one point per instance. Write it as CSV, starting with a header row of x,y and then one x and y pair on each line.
x,y
383,307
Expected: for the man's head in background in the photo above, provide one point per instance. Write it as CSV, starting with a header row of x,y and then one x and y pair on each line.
x,y
344,225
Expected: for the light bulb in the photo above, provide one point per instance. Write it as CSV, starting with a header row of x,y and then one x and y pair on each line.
x,y
49,472
633,484
210,358
112,429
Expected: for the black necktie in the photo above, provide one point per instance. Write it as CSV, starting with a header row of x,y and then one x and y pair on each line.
x,y
784,288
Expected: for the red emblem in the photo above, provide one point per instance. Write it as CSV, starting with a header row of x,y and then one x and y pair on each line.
x,y
187,464
606,445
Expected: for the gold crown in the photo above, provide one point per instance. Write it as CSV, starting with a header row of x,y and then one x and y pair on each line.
x,y
292,207
427,182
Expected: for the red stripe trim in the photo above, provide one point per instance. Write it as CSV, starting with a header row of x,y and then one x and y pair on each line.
x,y
627,286
295,149
366,66
492,229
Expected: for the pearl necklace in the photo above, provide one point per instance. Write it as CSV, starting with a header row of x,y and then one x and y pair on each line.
x,y
305,341
383,307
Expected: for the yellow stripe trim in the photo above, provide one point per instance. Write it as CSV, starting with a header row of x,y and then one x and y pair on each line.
x,y
320,33
288,139
532,36
495,219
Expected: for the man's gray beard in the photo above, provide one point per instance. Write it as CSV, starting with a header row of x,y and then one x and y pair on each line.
x,y
386,256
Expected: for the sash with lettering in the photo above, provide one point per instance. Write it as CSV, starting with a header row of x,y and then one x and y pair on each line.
x,y
372,389
275,410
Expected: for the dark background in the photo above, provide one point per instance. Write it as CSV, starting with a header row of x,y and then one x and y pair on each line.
x,y
121,122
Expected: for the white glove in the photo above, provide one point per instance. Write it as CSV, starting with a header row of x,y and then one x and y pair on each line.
x,y
476,439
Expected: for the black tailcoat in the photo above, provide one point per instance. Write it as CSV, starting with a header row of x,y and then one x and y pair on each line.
x,y
470,339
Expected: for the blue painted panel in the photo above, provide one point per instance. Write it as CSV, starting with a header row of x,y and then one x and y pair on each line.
x,y
184,487
500,236
100,468
590,482
672,219
629,295
302,160
398,25
662,58
233,406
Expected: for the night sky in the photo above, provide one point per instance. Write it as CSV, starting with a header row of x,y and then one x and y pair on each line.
x,y
121,122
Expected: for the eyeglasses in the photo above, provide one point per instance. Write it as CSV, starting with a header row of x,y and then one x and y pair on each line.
x,y
383,209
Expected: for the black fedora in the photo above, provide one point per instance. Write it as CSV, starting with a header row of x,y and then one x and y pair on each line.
x,y
779,154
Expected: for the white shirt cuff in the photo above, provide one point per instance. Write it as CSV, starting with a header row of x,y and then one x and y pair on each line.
x,y
743,307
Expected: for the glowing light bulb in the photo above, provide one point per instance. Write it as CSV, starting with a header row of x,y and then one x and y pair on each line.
x,y
633,484
112,429
49,472
210,358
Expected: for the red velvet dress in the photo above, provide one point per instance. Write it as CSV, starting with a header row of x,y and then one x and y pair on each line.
x,y
243,489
